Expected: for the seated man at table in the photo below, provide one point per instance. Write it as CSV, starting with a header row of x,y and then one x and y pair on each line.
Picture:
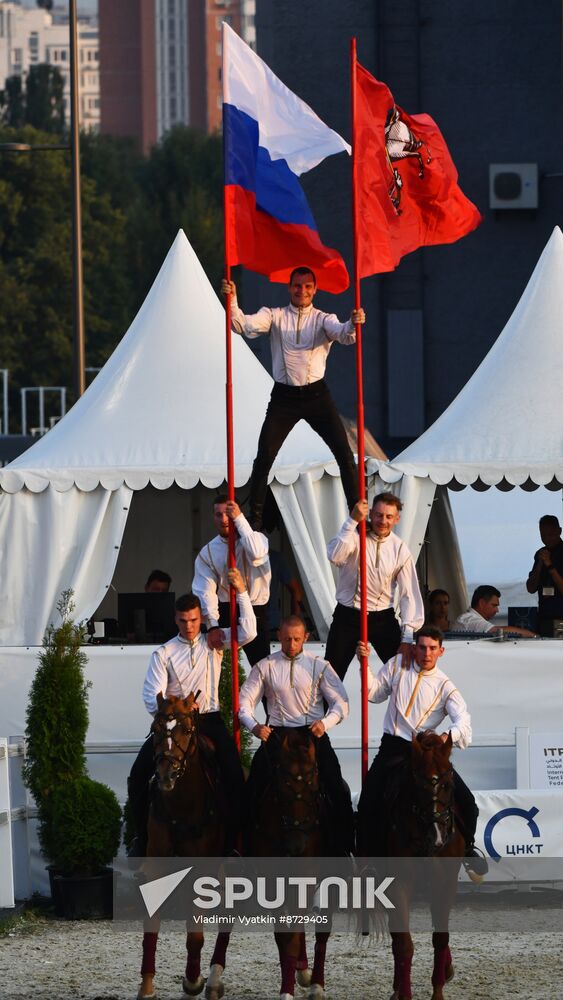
x,y
158,582
478,618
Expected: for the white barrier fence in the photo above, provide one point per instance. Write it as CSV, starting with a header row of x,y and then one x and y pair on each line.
x,y
15,882
523,823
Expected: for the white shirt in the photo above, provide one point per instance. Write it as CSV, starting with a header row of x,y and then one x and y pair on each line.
x,y
389,567
300,339
210,582
472,621
294,690
181,666
419,700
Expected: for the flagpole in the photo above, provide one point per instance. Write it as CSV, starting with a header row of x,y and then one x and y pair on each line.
x,y
359,425
230,446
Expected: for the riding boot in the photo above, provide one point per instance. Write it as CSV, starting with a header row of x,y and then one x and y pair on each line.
x,y
138,792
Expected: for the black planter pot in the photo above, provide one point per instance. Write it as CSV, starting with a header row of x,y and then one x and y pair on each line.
x,y
83,897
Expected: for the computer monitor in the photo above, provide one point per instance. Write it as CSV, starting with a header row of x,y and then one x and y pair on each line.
x,y
523,617
146,617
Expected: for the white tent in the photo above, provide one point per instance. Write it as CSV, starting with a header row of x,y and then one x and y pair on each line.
x,y
153,423
504,429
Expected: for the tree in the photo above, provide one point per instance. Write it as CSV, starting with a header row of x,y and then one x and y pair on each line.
x,y
44,105
132,208
181,187
12,103
39,103
36,266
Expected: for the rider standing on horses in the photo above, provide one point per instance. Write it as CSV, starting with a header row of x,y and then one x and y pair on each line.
x,y
296,686
301,338
420,697
191,662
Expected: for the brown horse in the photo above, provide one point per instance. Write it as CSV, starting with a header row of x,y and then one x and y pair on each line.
x,y
184,821
421,823
286,822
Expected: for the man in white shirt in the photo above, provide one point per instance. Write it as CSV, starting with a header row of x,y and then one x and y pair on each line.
x,y
188,663
300,690
478,618
210,582
301,338
420,698
390,570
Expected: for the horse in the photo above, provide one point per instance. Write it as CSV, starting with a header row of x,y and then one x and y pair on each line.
x,y
184,821
287,822
421,822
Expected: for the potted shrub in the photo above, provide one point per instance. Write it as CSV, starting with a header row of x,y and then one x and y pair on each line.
x,y
78,831
81,839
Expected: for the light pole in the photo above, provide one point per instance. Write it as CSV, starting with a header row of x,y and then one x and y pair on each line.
x,y
78,296
73,146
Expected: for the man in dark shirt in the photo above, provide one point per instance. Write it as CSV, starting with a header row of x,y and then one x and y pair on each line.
x,y
546,576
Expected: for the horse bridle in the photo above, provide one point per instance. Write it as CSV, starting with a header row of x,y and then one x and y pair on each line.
x,y
298,783
184,724
428,812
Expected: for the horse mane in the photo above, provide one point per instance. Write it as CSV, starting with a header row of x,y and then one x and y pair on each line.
x,y
428,740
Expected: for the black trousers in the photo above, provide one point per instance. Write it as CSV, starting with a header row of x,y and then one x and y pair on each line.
x,y
288,405
384,634
210,724
393,752
341,836
260,646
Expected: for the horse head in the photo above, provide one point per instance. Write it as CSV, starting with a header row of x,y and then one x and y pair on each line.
x,y
174,734
434,788
293,754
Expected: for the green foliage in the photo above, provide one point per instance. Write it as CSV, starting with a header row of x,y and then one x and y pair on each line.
x,y
132,208
37,101
226,703
12,103
79,819
84,827
44,105
57,711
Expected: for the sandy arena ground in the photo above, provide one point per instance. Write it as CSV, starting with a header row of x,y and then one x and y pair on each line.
x,y
50,959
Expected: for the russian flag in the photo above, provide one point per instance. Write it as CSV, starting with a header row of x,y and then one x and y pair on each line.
x,y
270,138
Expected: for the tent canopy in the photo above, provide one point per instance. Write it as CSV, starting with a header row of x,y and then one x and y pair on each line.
x,y
156,411
154,418
504,428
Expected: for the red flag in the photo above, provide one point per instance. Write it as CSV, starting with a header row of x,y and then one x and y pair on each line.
x,y
406,182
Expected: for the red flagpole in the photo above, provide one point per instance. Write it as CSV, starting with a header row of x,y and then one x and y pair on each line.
x,y
230,459
359,424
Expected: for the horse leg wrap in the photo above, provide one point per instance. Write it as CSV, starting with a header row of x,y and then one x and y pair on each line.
x,y
442,962
288,964
403,965
149,952
318,974
219,956
193,968
302,961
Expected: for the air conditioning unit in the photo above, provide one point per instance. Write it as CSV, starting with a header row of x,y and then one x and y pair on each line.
x,y
513,185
